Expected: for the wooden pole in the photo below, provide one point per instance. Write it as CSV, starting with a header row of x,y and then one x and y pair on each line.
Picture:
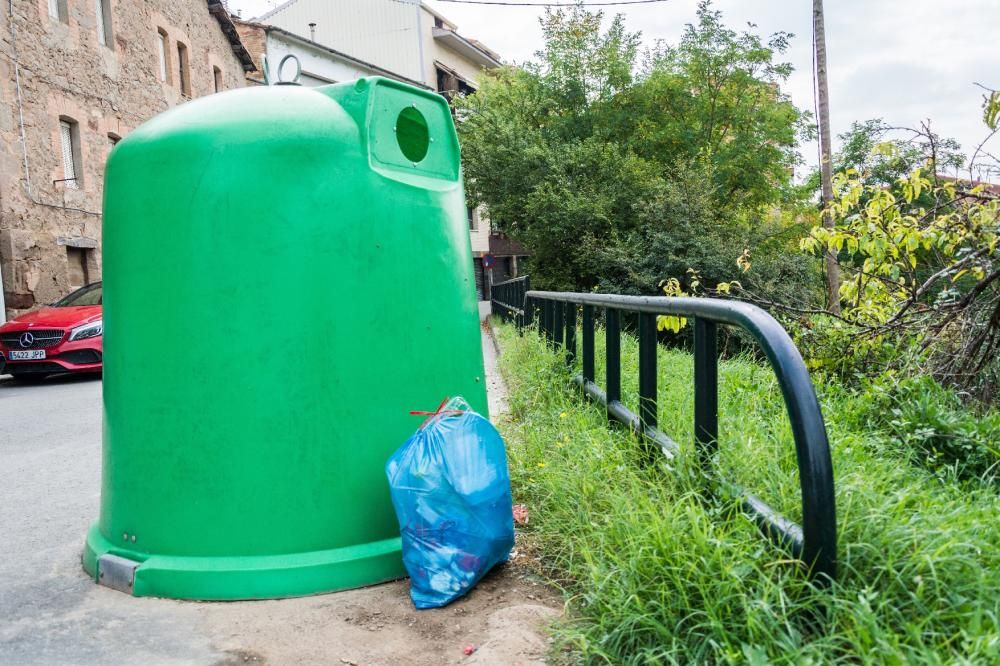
x,y
825,166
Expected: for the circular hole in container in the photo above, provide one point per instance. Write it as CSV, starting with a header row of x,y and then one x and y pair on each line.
x,y
412,134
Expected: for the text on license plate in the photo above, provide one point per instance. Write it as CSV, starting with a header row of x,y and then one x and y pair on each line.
x,y
29,355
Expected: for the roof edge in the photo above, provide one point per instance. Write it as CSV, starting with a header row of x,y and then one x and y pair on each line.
x,y
473,50
283,6
221,14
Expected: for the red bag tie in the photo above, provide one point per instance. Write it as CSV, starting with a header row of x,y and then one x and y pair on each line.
x,y
440,410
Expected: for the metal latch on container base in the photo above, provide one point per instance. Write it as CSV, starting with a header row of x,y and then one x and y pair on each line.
x,y
116,572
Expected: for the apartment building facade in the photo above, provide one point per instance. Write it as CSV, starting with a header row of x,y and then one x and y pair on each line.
x,y
76,77
339,40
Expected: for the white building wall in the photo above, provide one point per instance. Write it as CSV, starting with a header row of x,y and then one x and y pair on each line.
x,y
435,51
382,32
319,66
480,236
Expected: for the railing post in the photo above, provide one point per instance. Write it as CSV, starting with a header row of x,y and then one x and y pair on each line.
x,y
706,389
529,314
647,370
558,322
613,365
588,343
570,334
542,319
519,300
549,318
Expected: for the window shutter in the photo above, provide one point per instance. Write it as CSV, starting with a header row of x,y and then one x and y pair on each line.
x,y
102,35
163,56
69,166
54,8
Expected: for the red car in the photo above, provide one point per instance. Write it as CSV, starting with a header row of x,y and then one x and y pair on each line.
x,y
66,336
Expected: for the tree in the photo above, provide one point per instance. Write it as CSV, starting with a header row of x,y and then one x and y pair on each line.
x,y
575,156
716,98
882,155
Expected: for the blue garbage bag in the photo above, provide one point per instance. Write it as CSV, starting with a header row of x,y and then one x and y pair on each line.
x,y
451,490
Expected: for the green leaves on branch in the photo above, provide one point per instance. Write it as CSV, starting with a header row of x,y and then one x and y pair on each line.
x,y
900,250
991,109
921,273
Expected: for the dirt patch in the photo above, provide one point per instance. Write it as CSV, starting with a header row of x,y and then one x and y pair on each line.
x,y
241,658
504,618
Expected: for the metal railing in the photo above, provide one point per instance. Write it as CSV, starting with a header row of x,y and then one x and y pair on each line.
x,y
507,299
815,541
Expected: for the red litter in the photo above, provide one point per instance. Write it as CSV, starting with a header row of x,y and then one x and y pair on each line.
x,y
520,514
469,649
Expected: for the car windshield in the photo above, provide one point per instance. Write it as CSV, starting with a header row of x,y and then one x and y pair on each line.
x,y
89,295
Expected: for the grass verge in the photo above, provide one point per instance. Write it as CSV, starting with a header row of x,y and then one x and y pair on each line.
x,y
657,572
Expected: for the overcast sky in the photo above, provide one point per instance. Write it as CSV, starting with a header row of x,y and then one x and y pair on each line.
x,y
901,60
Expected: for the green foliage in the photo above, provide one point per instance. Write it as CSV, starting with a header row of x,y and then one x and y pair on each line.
x,y
835,348
726,108
991,109
881,155
919,264
930,426
656,571
574,155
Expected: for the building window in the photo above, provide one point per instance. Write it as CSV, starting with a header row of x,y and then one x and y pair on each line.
x,y
217,77
113,140
58,10
103,9
473,222
480,274
69,138
183,69
162,40
449,83
77,269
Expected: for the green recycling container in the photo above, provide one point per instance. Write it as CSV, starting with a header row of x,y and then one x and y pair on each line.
x,y
287,273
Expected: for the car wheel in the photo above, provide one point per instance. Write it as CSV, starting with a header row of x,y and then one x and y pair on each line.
x,y
28,378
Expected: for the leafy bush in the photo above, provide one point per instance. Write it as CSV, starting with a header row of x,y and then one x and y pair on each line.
x,y
929,424
919,252
834,347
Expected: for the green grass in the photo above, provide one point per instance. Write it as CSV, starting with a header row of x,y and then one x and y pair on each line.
x,y
656,572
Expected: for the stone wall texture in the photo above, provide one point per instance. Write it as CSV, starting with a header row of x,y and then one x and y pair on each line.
x,y
54,69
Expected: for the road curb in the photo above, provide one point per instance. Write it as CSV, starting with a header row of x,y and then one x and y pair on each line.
x,y
493,335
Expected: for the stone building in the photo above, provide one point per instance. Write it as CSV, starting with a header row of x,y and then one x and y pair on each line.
x,y
75,77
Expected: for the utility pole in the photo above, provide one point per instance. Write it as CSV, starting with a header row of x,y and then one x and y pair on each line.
x,y
825,165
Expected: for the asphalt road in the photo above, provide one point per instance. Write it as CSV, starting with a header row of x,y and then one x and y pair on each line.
x,y
50,472
52,613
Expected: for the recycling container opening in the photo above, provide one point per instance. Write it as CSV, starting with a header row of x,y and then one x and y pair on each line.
x,y
287,273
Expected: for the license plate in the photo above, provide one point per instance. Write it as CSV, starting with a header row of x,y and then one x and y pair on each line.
x,y
30,355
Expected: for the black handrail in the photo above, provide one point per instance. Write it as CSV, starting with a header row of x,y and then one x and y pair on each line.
x,y
507,299
815,542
